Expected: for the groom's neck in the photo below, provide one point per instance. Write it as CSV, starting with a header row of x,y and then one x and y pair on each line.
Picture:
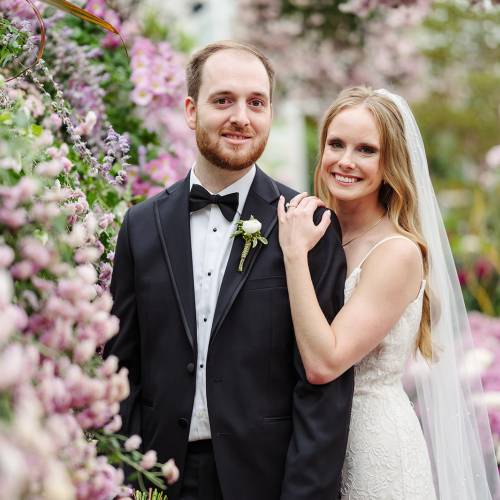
x,y
214,178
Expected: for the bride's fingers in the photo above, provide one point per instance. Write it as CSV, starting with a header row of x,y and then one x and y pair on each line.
x,y
295,201
324,222
311,203
281,209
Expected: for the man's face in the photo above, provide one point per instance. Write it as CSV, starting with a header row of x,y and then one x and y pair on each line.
x,y
232,117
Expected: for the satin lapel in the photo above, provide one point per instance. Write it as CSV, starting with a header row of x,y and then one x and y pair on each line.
x,y
172,220
259,203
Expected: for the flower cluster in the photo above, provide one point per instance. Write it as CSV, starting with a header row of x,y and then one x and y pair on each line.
x,y
158,78
334,49
486,334
58,227
150,178
51,323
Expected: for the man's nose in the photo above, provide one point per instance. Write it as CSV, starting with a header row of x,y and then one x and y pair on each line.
x,y
239,117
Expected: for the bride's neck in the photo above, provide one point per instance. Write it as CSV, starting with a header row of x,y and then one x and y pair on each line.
x,y
354,217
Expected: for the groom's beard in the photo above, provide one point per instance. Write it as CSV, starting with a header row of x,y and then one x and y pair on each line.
x,y
228,158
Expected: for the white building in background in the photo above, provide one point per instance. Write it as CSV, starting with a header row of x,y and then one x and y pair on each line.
x,y
205,21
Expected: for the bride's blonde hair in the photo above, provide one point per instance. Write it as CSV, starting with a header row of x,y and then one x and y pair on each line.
x,y
398,191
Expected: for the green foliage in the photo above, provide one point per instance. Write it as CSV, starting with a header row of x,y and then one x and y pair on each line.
x,y
459,120
150,495
12,42
461,115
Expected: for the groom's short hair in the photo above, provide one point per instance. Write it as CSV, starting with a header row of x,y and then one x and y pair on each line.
x,y
194,68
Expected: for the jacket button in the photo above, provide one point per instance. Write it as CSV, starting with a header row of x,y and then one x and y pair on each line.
x,y
190,367
183,422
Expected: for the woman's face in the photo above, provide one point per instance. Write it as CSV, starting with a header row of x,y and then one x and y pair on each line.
x,y
350,165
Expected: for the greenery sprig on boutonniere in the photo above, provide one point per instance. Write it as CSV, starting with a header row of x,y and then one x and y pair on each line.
x,y
250,231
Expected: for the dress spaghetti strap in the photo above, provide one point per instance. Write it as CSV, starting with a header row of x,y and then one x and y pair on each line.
x,y
383,241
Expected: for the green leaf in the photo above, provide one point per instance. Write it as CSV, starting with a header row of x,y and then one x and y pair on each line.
x,y
36,129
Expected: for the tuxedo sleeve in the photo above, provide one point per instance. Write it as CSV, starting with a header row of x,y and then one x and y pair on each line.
x,y
126,345
321,413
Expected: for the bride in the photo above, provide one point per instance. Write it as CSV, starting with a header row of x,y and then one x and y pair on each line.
x,y
401,298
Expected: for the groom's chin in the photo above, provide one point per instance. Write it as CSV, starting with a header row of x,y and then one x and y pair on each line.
x,y
234,161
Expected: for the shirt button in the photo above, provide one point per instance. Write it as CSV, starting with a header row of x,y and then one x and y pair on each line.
x,y
205,320
214,229
202,365
190,367
209,273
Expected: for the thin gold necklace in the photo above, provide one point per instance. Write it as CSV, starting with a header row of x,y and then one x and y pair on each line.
x,y
364,232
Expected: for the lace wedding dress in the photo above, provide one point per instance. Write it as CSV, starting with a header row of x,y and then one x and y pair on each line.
x,y
387,457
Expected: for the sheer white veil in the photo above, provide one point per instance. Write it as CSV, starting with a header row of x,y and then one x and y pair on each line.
x,y
454,420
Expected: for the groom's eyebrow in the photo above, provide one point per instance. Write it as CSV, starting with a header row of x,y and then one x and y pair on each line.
x,y
256,93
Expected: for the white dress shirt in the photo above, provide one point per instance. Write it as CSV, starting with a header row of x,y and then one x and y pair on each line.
x,y
211,244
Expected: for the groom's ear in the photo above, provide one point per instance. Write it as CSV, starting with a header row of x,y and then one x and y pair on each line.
x,y
190,112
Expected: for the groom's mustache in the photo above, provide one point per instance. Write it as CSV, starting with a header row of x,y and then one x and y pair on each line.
x,y
245,132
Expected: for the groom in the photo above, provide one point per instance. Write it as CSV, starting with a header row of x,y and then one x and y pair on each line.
x,y
216,379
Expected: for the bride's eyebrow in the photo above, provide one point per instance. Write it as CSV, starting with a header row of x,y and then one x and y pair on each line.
x,y
369,145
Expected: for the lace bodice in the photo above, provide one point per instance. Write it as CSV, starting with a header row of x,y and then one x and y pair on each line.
x,y
385,364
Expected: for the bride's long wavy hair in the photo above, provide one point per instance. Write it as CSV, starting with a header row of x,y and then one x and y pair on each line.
x,y
398,191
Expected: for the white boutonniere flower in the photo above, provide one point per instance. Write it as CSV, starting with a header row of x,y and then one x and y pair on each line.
x,y
249,230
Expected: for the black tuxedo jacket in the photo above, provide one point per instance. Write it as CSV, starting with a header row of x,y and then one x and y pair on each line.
x,y
275,436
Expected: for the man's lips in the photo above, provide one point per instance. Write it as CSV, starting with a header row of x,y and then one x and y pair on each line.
x,y
235,137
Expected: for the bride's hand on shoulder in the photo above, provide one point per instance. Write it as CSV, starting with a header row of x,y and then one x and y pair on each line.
x,y
297,231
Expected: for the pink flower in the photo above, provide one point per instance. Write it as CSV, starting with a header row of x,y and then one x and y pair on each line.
x,y
53,394
96,7
86,254
105,273
170,471
26,188
44,212
36,252
149,460
13,218
23,270
109,366
141,96
13,366
51,168
119,387
106,220
84,351
87,273
6,256
133,442
52,122
88,124
114,425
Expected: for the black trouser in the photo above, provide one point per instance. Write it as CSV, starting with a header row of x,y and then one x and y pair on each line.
x,y
200,480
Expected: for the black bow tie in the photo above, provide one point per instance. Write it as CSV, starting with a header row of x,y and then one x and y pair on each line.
x,y
199,198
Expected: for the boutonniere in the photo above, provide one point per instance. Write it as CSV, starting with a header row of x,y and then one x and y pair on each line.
x,y
250,231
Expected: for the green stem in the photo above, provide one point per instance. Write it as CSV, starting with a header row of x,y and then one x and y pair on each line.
x,y
244,254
